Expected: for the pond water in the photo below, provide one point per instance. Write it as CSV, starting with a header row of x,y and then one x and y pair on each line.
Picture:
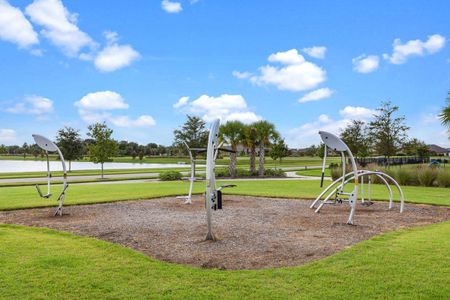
x,y
10,166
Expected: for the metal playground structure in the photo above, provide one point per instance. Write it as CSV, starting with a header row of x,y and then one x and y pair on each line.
x,y
47,145
336,188
213,195
192,178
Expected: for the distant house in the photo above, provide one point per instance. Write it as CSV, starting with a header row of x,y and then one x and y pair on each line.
x,y
438,150
298,152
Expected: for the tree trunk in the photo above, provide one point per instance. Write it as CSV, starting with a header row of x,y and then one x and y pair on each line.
x,y
70,165
102,170
233,162
261,160
253,160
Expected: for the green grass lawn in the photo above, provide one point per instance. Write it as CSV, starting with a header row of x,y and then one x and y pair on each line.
x,y
95,172
25,197
42,263
314,172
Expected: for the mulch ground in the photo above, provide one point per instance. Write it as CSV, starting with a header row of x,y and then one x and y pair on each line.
x,y
253,233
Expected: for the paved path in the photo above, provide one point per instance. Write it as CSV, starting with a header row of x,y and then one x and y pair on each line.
x,y
132,178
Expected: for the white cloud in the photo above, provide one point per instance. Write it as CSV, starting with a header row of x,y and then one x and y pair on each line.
x,y
307,133
295,74
429,118
32,105
366,63
114,56
171,7
316,95
242,75
104,100
226,107
15,28
98,107
181,102
316,52
401,52
7,135
357,113
59,26
125,121
290,57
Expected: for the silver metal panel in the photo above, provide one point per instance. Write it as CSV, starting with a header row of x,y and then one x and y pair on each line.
x,y
45,143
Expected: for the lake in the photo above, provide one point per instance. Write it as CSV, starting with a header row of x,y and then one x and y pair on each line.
x,y
14,166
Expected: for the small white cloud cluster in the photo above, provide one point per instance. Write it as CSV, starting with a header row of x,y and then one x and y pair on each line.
x,y
59,26
15,28
97,107
7,135
400,53
171,7
316,95
366,63
290,71
293,74
306,134
316,51
114,56
32,105
226,107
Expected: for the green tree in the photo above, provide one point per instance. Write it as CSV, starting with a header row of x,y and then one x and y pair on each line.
x,y
141,152
70,143
250,142
311,150
279,150
355,135
387,131
320,150
232,133
445,114
25,150
416,147
193,132
104,147
265,135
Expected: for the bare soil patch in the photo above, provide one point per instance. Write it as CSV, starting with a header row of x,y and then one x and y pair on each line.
x,y
253,233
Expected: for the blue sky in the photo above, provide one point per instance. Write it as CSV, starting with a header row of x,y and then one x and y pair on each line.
x,y
303,65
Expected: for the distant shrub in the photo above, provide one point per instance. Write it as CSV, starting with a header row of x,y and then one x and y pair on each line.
x,y
333,165
222,173
336,172
170,176
243,173
406,176
274,173
427,175
443,177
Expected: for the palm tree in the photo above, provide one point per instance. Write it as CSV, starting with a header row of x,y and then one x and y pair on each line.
x,y
232,133
250,142
265,134
445,113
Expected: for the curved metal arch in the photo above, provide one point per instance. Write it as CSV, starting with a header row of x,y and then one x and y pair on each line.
x,y
379,174
47,145
341,186
188,198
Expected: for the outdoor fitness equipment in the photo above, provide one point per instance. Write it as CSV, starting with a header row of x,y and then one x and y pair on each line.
x,y
213,196
192,178
337,187
47,145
